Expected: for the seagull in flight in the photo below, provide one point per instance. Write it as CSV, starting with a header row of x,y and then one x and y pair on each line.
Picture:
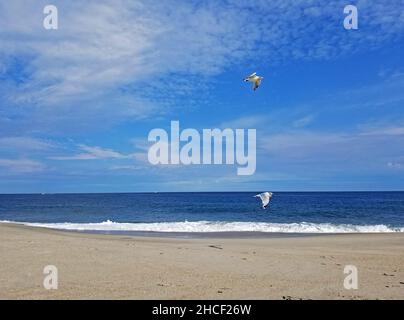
x,y
265,198
256,80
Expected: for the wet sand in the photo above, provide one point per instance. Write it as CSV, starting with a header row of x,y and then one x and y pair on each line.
x,y
96,266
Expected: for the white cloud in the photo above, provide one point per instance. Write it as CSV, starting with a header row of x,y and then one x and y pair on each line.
x,y
246,122
395,165
24,143
93,153
21,165
333,151
390,131
126,167
302,122
111,58
104,45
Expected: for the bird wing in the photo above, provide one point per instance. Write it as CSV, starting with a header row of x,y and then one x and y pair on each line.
x,y
251,75
265,198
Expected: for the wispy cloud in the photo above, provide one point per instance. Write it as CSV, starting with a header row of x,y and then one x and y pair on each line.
x,y
114,58
333,151
25,143
250,121
21,165
390,131
126,167
115,62
395,165
304,121
93,153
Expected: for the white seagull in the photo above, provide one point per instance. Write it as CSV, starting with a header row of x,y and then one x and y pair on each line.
x,y
265,198
256,80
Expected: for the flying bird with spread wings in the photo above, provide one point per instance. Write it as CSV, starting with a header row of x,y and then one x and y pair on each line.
x,y
265,198
256,80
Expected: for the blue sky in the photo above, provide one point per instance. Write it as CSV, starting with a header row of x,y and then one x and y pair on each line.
x,y
77,103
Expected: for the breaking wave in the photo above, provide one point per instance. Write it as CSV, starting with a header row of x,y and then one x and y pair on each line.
x,y
218,226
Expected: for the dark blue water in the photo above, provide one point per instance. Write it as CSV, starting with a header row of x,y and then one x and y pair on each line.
x,y
353,208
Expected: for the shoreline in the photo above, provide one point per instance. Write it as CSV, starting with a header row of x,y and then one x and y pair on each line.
x,y
187,235
99,266
203,234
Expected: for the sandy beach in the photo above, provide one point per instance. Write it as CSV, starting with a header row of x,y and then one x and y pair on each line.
x,y
92,266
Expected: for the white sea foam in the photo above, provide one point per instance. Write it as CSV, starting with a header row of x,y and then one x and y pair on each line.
x,y
219,226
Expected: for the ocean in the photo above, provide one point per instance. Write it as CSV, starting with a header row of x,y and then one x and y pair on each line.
x,y
200,212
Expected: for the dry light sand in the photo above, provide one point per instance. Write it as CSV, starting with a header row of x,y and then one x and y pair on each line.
x,y
122,267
